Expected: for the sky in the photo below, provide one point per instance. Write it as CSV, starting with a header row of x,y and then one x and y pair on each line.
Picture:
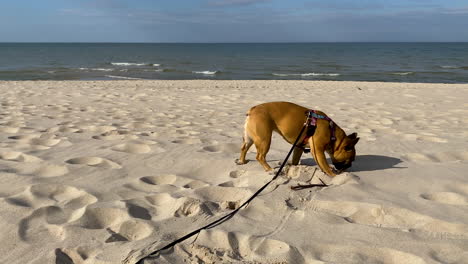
x,y
233,20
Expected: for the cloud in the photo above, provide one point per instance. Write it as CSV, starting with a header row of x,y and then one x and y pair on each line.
x,y
455,11
222,3
368,6
106,4
80,12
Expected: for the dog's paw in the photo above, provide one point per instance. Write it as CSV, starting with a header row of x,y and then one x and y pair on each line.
x,y
238,162
276,169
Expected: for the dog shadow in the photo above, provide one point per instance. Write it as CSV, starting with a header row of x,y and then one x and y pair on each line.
x,y
366,163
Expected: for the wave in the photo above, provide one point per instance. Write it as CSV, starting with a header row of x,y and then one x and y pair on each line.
x,y
454,67
206,72
402,73
306,74
167,70
95,69
449,67
134,64
123,77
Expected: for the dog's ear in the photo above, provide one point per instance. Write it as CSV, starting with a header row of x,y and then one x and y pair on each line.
x,y
352,142
353,136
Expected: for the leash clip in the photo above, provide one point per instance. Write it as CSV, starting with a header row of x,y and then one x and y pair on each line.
x,y
309,115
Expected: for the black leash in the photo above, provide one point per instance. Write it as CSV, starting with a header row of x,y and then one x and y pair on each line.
x,y
231,214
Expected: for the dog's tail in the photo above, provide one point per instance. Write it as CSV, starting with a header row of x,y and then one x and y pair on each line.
x,y
246,137
248,111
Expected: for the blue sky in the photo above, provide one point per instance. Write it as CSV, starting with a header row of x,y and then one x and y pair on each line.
x,y
232,20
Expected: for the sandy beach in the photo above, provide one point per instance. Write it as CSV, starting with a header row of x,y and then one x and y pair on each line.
x,y
109,171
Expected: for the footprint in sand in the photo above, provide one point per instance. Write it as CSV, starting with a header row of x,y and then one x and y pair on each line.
x,y
131,230
187,141
151,134
446,198
142,186
45,141
159,179
102,217
62,129
310,175
25,137
223,194
167,206
39,141
226,197
236,173
43,223
51,170
430,138
239,244
333,253
452,156
41,195
56,205
159,199
228,148
390,217
133,148
35,167
195,184
112,135
9,129
190,207
94,162
18,157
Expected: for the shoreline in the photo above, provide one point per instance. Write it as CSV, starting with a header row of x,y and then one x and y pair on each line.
x,y
226,81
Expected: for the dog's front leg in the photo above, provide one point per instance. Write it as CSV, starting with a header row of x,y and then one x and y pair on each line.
x,y
318,153
297,155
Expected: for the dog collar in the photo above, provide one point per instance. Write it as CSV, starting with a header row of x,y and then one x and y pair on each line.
x,y
311,123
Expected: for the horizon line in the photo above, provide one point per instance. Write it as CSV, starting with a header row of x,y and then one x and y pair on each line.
x,y
221,42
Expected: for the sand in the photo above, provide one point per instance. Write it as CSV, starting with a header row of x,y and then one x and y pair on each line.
x,y
108,171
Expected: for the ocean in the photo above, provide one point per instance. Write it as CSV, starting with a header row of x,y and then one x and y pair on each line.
x,y
387,62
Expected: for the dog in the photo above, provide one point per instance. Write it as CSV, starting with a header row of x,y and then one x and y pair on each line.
x,y
287,119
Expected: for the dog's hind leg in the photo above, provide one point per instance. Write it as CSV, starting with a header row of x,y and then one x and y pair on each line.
x,y
263,146
261,135
245,147
246,144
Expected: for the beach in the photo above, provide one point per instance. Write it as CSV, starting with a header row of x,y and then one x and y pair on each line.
x,y
110,171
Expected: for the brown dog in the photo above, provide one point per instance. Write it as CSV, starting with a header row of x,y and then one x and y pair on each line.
x,y
287,119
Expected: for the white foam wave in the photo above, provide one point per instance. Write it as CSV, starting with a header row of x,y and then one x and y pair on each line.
x,y
128,64
449,67
123,77
306,74
402,73
135,64
95,69
320,74
206,72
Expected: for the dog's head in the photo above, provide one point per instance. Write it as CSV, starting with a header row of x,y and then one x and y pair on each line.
x,y
345,154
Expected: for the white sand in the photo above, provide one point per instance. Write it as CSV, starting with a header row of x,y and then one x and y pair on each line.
x,y
106,171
